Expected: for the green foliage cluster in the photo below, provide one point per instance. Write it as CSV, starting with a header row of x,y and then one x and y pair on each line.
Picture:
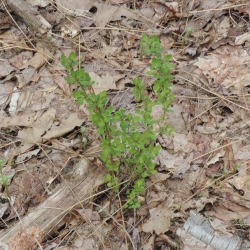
x,y
128,138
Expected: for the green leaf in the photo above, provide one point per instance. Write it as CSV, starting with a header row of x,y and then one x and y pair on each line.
x,y
65,61
75,63
144,174
108,178
80,100
167,57
78,93
72,56
155,63
145,38
69,79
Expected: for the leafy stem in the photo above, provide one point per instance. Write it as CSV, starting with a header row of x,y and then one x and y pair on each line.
x,y
128,138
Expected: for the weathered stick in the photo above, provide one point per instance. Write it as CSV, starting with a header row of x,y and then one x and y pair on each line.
x,y
29,15
48,214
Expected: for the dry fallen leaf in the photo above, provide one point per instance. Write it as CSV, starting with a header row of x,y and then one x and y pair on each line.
x,y
149,245
34,134
20,59
3,95
242,38
5,68
227,67
61,82
159,220
104,12
64,127
88,215
105,82
39,58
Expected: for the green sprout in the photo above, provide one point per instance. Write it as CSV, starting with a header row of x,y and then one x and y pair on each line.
x,y
128,139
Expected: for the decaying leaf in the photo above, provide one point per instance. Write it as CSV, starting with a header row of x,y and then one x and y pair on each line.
x,y
61,82
159,220
88,215
105,82
5,68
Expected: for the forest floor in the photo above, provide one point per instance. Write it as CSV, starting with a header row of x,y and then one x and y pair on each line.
x,y
55,196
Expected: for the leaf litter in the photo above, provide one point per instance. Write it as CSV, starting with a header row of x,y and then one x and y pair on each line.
x,y
202,167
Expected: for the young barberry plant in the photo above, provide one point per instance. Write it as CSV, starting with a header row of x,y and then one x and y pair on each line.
x,y
128,138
